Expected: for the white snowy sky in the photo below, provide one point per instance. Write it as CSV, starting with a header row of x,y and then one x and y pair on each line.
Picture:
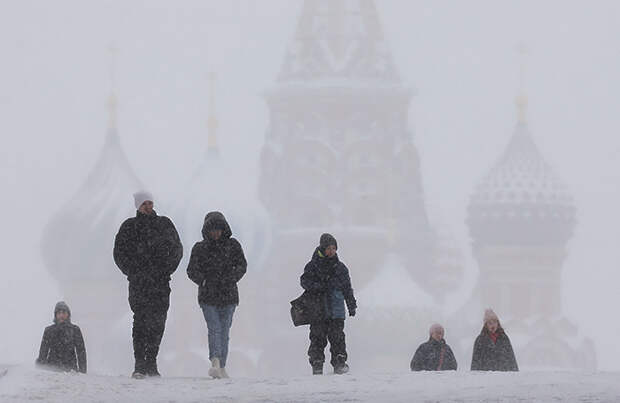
x,y
459,56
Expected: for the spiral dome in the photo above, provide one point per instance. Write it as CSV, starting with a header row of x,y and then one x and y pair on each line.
x,y
521,200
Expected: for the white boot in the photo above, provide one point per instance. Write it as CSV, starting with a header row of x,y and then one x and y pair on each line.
x,y
215,370
224,373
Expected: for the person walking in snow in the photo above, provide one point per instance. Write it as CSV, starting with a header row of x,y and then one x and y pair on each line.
x,y
327,276
62,346
147,249
216,264
492,349
435,354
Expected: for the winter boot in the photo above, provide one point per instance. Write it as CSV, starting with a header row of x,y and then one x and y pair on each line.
x,y
151,367
317,368
138,375
340,369
215,371
223,373
139,369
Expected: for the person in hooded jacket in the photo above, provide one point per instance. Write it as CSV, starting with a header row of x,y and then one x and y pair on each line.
x,y
492,348
62,346
326,275
435,354
216,264
147,249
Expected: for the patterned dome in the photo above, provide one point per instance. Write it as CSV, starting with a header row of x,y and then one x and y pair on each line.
x,y
521,200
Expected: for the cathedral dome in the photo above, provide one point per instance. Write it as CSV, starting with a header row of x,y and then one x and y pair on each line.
x,y
77,242
521,200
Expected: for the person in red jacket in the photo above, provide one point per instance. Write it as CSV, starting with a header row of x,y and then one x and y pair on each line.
x,y
492,349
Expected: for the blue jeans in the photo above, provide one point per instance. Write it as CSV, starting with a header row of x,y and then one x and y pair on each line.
x,y
219,321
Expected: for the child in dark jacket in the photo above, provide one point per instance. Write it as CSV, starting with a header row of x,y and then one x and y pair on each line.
x,y
62,347
326,275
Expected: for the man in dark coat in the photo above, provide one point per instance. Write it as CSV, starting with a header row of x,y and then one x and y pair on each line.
x,y
435,354
216,265
147,249
62,346
326,275
492,349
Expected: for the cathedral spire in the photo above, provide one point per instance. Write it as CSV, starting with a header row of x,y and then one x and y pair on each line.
x,y
521,99
112,103
339,40
212,122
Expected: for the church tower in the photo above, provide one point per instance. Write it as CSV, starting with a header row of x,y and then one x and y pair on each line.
x,y
521,217
212,187
338,155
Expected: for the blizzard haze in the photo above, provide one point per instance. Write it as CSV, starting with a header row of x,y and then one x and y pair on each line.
x,y
459,59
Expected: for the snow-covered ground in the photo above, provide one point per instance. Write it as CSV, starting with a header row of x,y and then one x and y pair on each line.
x,y
23,384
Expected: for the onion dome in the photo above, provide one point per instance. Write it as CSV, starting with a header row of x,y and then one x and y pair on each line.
x,y
521,200
77,242
213,186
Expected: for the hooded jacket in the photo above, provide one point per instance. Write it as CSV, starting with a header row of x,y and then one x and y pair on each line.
x,y
493,356
147,249
428,355
62,346
330,276
217,265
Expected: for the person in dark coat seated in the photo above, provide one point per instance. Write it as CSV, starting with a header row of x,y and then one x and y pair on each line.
x,y
435,354
62,346
492,349
327,275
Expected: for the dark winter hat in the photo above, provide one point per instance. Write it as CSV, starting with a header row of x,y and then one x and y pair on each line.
x,y
61,306
326,240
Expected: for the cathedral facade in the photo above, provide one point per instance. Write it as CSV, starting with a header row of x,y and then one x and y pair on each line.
x,y
338,154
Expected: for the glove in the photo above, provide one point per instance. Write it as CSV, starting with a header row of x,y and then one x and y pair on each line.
x,y
352,312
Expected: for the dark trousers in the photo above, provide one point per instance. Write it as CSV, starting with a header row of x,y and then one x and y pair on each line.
x,y
320,333
148,328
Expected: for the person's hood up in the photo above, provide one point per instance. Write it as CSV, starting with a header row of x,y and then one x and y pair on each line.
x,y
62,306
214,221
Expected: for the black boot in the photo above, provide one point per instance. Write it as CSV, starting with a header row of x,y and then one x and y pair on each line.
x,y
317,368
151,367
341,368
139,369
